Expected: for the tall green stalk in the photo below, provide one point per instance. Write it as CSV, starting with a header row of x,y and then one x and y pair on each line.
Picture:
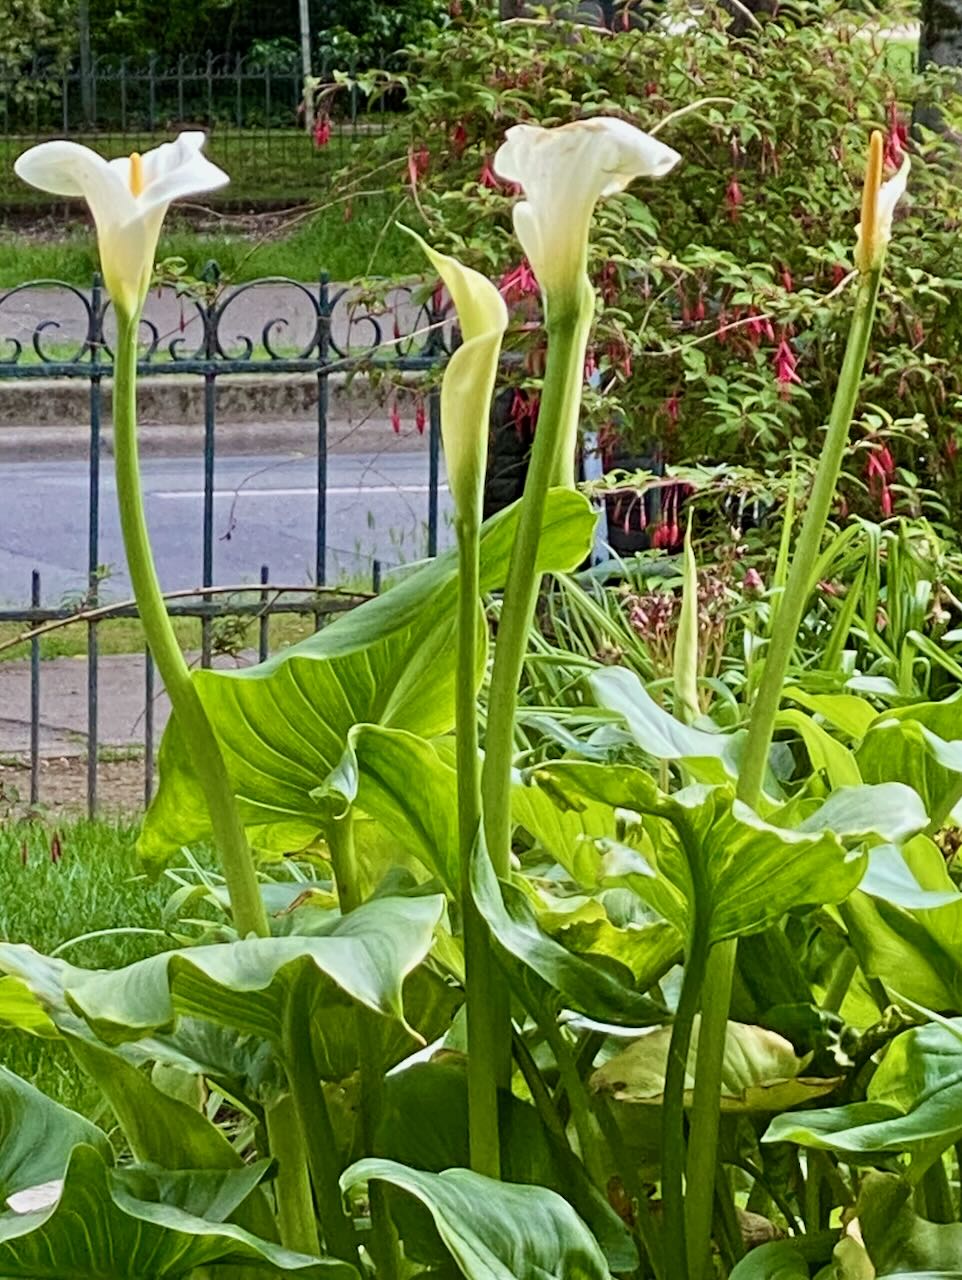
x,y
229,836
481,975
295,1204
384,1247
568,325
716,998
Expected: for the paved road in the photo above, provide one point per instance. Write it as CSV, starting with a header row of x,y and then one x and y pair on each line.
x,y
264,513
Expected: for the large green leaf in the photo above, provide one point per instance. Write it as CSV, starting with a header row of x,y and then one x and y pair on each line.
x,y
914,1099
659,734
900,1244
580,984
495,1230
362,957
760,1071
36,1135
779,1260
387,760
905,923
920,745
425,1125
166,1132
89,1225
283,725
702,841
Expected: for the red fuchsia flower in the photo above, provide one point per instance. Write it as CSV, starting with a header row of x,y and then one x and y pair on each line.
x,y
672,407
395,418
787,282
487,177
733,199
591,364
660,536
758,327
698,310
896,139
420,417
838,274
524,412
419,161
518,282
785,362
918,332
610,286
879,470
752,582
459,137
322,131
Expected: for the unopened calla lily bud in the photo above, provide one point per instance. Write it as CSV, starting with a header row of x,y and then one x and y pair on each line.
x,y
468,383
128,198
878,207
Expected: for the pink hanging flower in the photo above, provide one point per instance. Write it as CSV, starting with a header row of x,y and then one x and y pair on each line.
x,y
518,282
419,161
734,199
395,418
896,138
752,582
487,177
672,408
785,372
420,418
459,138
591,364
322,131
787,282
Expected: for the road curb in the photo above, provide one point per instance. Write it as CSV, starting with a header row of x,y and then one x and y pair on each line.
x,y
44,418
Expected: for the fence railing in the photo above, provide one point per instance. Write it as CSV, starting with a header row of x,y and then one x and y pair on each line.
x,y
253,331
253,109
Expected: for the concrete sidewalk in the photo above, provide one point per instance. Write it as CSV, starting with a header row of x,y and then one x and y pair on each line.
x,y
63,704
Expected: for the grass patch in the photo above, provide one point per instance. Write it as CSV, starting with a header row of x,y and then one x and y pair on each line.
x,y
125,635
368,244
346,240
96,885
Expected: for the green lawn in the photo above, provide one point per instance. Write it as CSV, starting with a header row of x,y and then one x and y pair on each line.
x,y
287,172
96,885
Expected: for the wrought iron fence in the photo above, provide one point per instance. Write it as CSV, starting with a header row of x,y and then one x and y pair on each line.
x,y
252,106
319,332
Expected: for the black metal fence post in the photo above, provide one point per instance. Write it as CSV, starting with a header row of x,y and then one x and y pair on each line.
x,y
34,696
323,359
210,411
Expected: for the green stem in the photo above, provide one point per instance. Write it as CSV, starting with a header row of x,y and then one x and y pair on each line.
x,y
799,584
384,1245
841,980
317,1132
295,1205
761,727
567,339
481,971
673,1146
578,1100
647,1230
205,755
340,845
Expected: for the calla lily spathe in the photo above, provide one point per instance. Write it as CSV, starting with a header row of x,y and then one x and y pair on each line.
x,y
468,383
564,172
878,208
128,198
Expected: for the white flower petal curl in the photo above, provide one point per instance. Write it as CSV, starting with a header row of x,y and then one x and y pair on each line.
x,y
564,172
128,198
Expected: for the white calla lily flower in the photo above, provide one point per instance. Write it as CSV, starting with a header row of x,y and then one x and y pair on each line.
x,y
879,200
564,172
468,383
128,198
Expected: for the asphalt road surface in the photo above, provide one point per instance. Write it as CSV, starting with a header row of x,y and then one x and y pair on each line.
x,y
264,513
